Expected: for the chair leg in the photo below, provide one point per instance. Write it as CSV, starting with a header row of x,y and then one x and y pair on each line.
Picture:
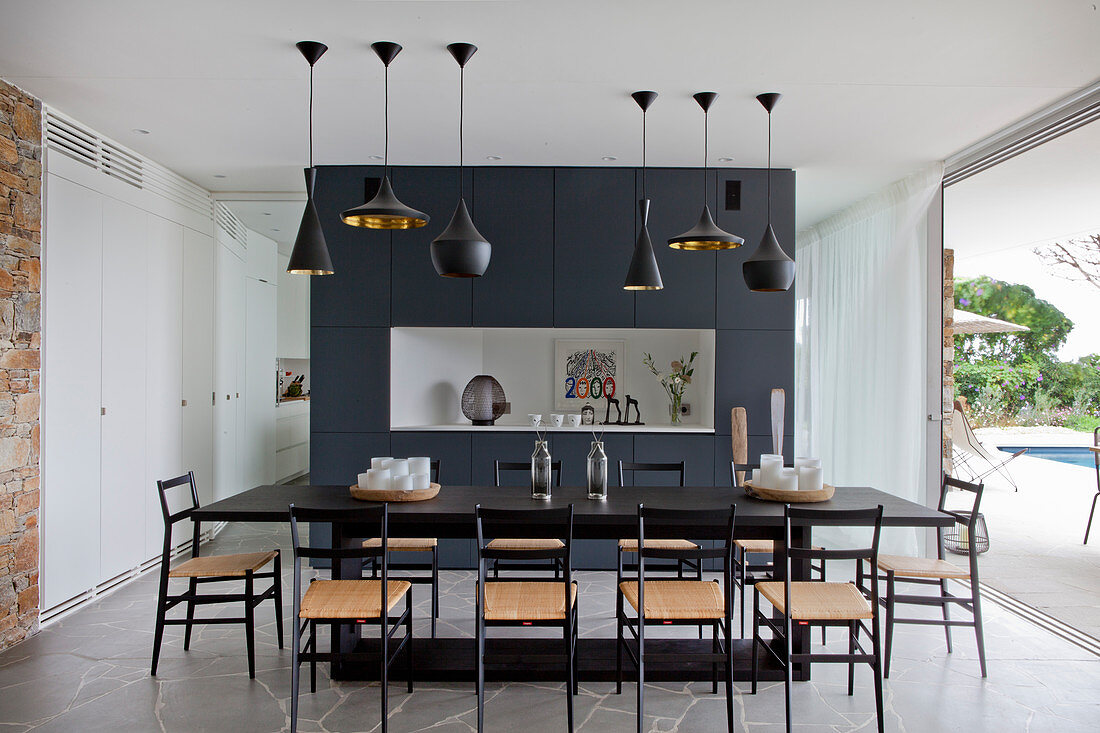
x,y
889,622
788,669
192,589
877,667
979,634
162,611
1088,527
435,587
480,651
853,636
385,678
409,639
713,665
741,571
311,645
946,614
641,674
755,638
295,662
279,598
249,622
496,569
728,627
699,578
576,658
823,628
567,638
619,641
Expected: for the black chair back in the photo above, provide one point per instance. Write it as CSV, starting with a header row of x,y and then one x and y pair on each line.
x,y
434,470
534,523
498,466
964,517
164,488
634,468
736,468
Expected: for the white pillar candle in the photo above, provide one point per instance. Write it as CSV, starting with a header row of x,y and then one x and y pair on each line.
x,y
806,461
420,464
363,480
397,467
788,479
403,483
380,462
770,465
378,479
420,480
809,478
756,477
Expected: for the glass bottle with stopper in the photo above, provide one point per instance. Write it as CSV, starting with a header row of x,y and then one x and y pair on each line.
x,y
597,471
540,471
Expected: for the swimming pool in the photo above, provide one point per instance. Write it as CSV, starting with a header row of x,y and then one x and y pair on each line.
x,y
1075,455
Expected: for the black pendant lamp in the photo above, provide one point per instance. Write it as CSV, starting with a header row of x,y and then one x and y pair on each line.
x,y
460,250
705,235
643,273
310,253
769,270
384,211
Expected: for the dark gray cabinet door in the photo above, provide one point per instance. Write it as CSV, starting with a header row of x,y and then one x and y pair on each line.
x,y
420,296
753,362
514,211
338,458
573,449
739,307
350,384
594,230
489,447
695,450
687,300
358,293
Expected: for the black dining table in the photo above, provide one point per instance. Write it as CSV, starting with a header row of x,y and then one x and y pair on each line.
x,y
451,515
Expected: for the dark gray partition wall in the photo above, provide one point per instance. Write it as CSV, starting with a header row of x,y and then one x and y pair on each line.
x,y
562,240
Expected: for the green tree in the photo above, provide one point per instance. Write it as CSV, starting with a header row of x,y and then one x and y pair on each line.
x,y
1014,303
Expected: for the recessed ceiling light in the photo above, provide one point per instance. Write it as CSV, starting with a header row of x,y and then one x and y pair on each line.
x,y
724,160
219,175
140,131
267,213
274,230
609,157
493,157
376,157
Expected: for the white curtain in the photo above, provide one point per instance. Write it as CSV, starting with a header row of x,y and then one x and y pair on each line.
x,y
860,341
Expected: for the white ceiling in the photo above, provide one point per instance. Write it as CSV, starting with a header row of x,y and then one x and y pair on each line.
x,y
872,90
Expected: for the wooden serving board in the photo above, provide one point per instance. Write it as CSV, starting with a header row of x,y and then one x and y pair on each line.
x,y
394,494
790,497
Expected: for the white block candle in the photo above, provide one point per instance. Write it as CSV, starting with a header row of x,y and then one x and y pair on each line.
x,y
403,483
756,477
420,480
378,479
788,479
397,467
420,464
770,465
380,462
806,461
809,478
363,480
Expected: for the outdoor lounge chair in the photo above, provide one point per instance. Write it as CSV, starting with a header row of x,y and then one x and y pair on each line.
x,y
971,457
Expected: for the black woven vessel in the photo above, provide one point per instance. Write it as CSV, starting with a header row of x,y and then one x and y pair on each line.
x,y
483,400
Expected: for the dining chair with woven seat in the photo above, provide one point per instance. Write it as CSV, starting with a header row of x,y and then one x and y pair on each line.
x,y
351,602
815,603
746,572
895,569
522,601
630,545
413,544
667,602
197,570
519,543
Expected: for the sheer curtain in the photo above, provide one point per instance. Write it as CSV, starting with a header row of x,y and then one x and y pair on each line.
x,y
860,340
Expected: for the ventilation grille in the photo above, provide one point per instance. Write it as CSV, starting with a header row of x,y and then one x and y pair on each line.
x,y
228,221
65,135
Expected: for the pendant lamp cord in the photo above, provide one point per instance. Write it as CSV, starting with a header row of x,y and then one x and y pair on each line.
x,y
706,143
311,115
461,120
386,152
643,155
769,167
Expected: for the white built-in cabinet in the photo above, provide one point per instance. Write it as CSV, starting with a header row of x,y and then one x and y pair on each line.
x,y
150,319
293,320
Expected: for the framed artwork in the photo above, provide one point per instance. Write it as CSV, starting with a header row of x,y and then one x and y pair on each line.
x,y
586,372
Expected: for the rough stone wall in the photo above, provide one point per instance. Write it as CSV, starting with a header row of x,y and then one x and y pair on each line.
x,y
948,351
20,339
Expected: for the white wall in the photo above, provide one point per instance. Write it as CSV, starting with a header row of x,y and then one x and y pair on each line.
x,y
293,316
431,366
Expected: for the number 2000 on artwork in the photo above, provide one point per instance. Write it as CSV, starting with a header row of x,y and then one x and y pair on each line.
x,y
589,375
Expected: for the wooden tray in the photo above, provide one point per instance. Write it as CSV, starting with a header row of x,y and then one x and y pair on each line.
x,y
394,495
790,497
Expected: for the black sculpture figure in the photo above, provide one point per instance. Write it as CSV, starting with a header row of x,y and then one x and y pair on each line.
x,y
618,413
637,412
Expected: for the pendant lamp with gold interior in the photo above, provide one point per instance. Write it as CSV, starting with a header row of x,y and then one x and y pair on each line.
x,y
705,236
385,211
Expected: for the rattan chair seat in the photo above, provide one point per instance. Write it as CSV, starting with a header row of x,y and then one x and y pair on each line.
x,y
525,544
526,601
920,567
404,544
817,601
632,545
350,598
669,600
231,566
751,546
